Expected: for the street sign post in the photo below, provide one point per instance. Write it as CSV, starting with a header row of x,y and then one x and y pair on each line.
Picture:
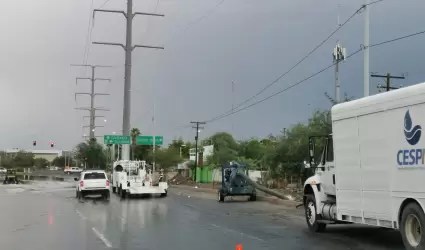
x,y
116,139
148,140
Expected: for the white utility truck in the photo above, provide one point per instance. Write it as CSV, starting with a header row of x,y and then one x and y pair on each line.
x,y
372,167
134,178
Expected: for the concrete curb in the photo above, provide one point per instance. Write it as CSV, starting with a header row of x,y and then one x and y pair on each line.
x,y
269,199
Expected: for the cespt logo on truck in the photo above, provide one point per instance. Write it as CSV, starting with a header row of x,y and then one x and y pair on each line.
x,y
412,156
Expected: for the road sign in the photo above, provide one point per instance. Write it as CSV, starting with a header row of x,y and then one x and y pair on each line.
x,y
116,139
148,140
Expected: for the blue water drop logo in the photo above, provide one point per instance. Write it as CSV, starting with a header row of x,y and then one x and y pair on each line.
x,y
412,134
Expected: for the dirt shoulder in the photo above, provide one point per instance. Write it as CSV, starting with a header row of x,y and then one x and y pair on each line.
x,y
209,189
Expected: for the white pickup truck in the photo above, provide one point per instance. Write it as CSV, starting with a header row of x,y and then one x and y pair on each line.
x,y
92,182
72,170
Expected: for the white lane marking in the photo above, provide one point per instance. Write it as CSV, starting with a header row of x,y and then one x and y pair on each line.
x,y
234,231
81,215
102,237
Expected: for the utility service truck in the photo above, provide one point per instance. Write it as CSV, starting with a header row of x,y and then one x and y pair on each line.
x,y
372,167
135,178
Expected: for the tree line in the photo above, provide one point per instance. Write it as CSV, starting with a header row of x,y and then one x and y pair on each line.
x,y
281,155
23,159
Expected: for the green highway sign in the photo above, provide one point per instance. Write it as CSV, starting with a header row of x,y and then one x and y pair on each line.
x,y
116,139
148,140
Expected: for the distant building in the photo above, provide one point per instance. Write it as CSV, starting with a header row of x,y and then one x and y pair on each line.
x,y
207,151
47,154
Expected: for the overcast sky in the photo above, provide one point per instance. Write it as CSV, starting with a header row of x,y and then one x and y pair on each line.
x,y
250,42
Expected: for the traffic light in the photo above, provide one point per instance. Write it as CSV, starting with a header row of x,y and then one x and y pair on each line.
x,y
34,143
52,144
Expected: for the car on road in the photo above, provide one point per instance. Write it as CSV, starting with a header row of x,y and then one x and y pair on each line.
x,y
93,182
3,170
72,170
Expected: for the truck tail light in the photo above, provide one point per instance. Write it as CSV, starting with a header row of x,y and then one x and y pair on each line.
x,y
107,183
81,183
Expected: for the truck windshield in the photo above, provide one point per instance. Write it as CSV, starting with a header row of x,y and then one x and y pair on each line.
x,y
330,151
94,176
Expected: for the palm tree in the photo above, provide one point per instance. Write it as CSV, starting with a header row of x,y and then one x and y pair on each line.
x,y
134,133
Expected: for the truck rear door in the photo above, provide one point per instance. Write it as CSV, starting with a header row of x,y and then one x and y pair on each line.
x,y
94,180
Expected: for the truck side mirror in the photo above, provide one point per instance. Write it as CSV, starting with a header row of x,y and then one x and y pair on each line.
x,y
311,150
306,165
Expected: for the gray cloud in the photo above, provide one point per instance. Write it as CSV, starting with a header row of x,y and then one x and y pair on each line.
x,y
250,42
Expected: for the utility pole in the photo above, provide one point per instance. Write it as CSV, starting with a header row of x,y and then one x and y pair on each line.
x,y
128,47
388,76
338,54
366,49
153,148
92,94
196,143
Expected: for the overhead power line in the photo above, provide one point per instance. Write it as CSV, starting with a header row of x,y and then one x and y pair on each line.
x,y
88,36
302,60
194,22
104,3
309,77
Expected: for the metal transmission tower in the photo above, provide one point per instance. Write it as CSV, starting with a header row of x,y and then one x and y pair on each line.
x,y
92,94
128,47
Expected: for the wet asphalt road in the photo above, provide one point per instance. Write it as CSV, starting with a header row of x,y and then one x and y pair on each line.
x,y
46,215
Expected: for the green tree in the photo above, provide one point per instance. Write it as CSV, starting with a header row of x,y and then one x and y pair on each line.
x,y
186,148
167,158
92,153
7,162
23,159
176,144
292,149
143,152
58,161
225,149
134,133
251,149
41,163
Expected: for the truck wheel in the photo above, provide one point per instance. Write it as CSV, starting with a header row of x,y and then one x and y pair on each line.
x,y
311,215
220,196
411,227
164,194
122,193
106,196
253,197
